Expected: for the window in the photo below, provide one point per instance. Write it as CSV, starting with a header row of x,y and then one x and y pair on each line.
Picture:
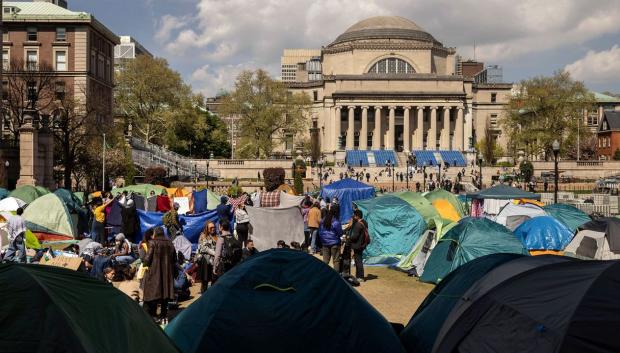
x,y
32,59
288,142
315,94
6,10
493,97
93,64
5,90
5,60
493,121
100,68
391,66
61,60
32,34
59,92
61,34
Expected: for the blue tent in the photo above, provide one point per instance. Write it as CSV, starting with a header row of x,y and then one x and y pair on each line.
x,y
281,301
569,215
192,224
544,233
394,226
347,191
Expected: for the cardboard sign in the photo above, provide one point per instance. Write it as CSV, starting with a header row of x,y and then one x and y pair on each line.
x,y
71,263
183,204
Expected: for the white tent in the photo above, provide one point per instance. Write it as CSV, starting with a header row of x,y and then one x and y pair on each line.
x,y
11,204
589,244
513,215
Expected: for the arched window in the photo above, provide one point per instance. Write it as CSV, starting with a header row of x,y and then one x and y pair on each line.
x,y
391,66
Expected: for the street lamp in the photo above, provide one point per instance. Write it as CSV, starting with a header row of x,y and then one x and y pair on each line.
x,y
320,164
207,175
480,159
391,165
439,176
6,170
556,150
424,177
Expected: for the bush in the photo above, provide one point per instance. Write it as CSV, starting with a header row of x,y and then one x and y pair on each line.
x,y
617,155
505,164
299,184
155,175
527,170
274,177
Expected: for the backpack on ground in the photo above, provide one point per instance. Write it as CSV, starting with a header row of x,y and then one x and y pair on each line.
x,y
231,251
365,236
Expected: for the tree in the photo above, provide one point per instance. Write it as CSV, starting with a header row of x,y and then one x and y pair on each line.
x,y
617,155
155,175
488,146
544,109
527,170
267,111
148,94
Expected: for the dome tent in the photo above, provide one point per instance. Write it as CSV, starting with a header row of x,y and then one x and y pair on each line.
x,y
512,215
571,216
50,309
27,193
544,233
421,204
469,239
282,300
347,191
49,214
11,204
598,239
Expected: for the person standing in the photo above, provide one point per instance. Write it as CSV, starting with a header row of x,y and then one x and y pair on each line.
x,y
171,221
314,222
357,241
16,228
243,223
223,211
98,227
206,251
159,279
228,251
330,232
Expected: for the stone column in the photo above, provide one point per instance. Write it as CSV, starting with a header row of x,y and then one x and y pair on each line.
x,y
431,141
391,129
351,128
376,135
28,151
458,130
337,127
406,129
469,128
419,139
445,130
364,130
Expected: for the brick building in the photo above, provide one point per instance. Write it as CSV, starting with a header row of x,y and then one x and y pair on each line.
x,y
608,135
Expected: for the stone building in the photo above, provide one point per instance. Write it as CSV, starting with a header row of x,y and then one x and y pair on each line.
x,y
387,84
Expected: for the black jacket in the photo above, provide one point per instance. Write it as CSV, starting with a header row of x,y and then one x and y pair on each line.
x,y
356,235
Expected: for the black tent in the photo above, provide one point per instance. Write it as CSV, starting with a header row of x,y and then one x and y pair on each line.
x,y
565,307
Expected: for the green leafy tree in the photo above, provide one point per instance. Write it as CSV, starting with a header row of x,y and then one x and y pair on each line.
x,y
617,155
527,170
544,109
267,110
489,147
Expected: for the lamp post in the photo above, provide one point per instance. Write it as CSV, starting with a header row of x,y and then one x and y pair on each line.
x,y
424,177
207,175
556,150
320,164
439,175
391,165
6,171
480,158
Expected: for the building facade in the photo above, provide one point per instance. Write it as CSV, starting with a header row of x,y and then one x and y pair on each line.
x,y
604,103
608,135
300,65
388,84
128,48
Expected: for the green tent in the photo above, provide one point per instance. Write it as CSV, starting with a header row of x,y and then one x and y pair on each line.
x,y
142,189
569,215
421,204
71,201
27,193
4,193
49,214
52,309
471,238
441,194
213,200
42,190
80,195
416,258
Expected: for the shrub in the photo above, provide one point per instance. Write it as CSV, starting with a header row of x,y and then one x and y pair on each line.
x,y
155,175
299,184
617,155
274,177
235,191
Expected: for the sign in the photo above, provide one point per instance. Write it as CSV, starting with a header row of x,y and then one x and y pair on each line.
x,y
71,263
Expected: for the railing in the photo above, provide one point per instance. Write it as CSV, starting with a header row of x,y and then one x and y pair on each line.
x,y
589,163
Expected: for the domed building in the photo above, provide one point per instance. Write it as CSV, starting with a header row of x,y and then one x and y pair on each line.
x,y
388,84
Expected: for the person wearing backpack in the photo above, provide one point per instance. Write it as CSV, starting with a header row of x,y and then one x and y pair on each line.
x,y
359,239
228,251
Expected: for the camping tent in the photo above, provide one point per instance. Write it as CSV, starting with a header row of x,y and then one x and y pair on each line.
x,y
11,204
26,193
51,309
503,192
347,191
143,189
272,224
50,215
71,201
594,239
415,261
421,331
544,233
393,225
512,215
571,216
563,307
282,301
446,204
4,193
421,204
81,196
469,239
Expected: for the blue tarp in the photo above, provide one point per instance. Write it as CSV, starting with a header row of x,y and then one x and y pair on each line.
x,y
347,191
544,233
200,201
192,224
393,225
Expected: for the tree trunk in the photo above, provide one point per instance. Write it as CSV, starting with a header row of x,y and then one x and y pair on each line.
x,y
68,161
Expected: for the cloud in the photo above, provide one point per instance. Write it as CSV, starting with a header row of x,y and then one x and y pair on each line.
x,y
236,32
212,79
597,67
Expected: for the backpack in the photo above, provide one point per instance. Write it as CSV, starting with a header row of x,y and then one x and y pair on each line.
x,y
231,251
365,236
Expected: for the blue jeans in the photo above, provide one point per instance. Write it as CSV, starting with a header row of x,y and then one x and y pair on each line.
x,y
125,259
314,233
17,250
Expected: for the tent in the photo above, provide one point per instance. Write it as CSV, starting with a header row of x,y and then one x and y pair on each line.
x,y
4,193
192,224
142,189
26,193
282,301
71,201
469,239
415,261
544,233
564,307
512,215
503,192
81,196
213,200
393,225
347,191
50,309
594,239
11,204
50,215
421,204
200,201
420,333
268,225
42,190
571,216
446,204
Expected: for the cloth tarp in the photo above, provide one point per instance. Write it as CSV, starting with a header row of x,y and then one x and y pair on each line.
x,y
49,214
288,200
184,246
192,224
347,191
503,192
213,200
544,233
571,216
200,201
151,203
421,204
268,225
11,204
393,225
511,210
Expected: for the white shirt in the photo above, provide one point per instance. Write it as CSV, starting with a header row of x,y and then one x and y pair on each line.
x,y
241,216
15,226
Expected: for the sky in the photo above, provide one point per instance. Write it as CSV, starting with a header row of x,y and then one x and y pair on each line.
x,y
210,41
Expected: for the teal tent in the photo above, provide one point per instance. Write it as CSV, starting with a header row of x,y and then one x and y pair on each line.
x,y
80,195
393,225
4,193
471,238
282,301
52,309
421,204
27,193
71,201
503,192
569,215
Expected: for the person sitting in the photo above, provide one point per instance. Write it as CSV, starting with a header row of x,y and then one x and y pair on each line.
x,y
281,244
249,250
295,245
109,274
122,250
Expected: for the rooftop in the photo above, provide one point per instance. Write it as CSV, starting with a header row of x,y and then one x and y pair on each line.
x,y
36,9
383,28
